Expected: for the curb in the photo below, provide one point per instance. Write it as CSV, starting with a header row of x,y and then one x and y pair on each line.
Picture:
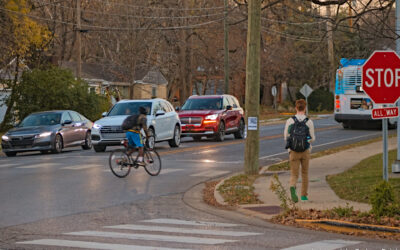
x,y
338,223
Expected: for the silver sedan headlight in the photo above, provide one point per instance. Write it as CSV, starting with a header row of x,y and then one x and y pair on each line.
x,y
96,126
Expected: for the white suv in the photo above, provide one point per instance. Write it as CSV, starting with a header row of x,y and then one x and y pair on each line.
x,y
162,122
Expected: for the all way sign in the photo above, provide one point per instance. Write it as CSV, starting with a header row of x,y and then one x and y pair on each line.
x,y
385,113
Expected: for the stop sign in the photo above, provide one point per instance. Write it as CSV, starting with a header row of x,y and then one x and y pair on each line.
x,y
381,77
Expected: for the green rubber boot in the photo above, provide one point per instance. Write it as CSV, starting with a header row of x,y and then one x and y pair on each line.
x,y
304,198
293,194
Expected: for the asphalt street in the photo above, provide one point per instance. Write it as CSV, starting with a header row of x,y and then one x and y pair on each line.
x,y
73,200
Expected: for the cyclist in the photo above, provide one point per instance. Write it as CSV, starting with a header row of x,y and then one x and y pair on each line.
x,y
135,137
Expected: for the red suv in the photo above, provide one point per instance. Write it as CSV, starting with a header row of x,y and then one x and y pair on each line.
x,y
212,116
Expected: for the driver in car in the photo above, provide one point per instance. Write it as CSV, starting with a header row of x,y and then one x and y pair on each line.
x,y
135,137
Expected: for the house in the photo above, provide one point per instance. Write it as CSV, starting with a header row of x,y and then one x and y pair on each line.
x,y
8,74
144,83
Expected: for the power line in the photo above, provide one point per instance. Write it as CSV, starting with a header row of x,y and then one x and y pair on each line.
x,y
285,22
290,36
144,17
105,28
164,8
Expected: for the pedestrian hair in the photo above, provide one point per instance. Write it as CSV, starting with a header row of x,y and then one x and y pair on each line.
x,y
301,105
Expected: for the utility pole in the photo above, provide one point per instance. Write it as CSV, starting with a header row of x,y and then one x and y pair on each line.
x,y
183,59
251,161
330,50
78,40
396,164
226,48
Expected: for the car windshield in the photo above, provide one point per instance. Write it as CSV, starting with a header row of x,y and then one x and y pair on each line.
x,y
129,108
42,119
203,104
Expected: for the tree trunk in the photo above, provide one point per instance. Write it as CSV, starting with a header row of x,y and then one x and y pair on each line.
x,y
11,100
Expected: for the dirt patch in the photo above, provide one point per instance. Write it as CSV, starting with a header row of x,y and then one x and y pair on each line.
x,y
292,217
208,195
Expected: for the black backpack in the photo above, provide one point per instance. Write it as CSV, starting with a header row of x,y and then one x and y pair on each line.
x,y
299,135
130,122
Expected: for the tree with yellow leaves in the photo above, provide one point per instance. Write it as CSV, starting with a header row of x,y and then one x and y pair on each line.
x,y
28,36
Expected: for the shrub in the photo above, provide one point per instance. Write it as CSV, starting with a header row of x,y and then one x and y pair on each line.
x,y
346,211
383,200
52,88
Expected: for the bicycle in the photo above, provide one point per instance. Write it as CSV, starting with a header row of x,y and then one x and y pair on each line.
x,y
121,162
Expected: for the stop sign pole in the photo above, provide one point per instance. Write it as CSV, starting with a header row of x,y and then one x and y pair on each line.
x,y
381,82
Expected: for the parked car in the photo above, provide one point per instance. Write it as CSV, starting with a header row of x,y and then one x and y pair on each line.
x,y
162,122
212,116
48,131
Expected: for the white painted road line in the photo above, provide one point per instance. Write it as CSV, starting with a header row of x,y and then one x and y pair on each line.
x,y
89,245
182,230
152,237
210,173
324,144
324,245
83,166
190,222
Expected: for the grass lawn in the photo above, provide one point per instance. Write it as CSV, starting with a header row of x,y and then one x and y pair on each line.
x,y
356,183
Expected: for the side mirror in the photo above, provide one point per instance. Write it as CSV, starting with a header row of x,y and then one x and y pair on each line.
x,y
229,107
160,112
177,108
104,114
66,122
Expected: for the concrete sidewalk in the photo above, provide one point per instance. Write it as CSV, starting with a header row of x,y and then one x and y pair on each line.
x,y
321,196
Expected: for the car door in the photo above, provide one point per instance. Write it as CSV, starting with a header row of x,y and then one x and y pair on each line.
x,y
78,127
169,120
228,114
235,112
159,122
67,130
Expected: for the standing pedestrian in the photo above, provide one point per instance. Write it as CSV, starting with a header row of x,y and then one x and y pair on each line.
x,y
298,134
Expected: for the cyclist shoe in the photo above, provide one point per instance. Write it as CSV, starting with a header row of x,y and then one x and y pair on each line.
x,y
304,198
140,163
293,194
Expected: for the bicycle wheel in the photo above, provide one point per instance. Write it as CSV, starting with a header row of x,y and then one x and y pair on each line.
x,y
120,163
153,162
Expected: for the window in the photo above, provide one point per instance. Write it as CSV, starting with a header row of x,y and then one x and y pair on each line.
x,y
75,116
157,107
154,91
165,107
65,116
236,102
232,102
226,102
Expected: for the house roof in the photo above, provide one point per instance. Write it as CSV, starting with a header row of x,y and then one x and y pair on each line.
x,y
8,72
115,73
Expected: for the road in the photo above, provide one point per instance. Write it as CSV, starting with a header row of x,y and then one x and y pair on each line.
x,y
72,199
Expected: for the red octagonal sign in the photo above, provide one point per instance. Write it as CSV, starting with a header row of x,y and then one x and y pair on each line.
x,y
381,77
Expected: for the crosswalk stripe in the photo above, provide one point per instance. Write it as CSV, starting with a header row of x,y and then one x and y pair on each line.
x,y
152,237
90,245
81,167
182,230
40,165
170,170
8,165
324,244
190,222
210,173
